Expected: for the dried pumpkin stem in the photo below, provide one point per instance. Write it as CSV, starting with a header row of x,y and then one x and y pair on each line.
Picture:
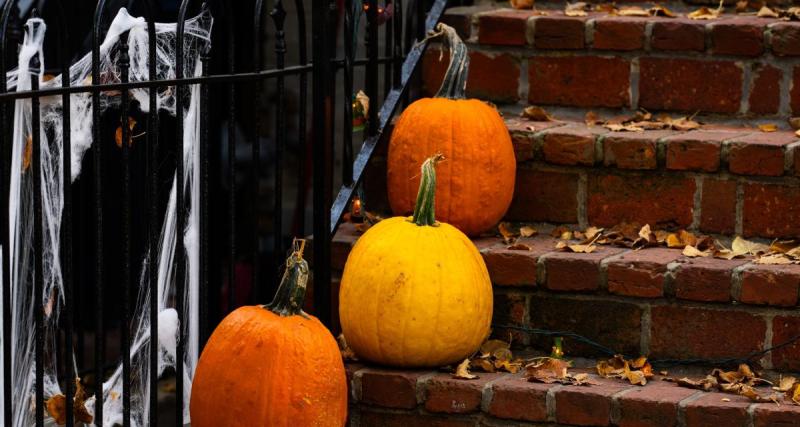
x,y
424,211
291,293
455,78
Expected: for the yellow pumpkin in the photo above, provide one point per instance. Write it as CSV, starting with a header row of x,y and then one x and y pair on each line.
x,y
415,292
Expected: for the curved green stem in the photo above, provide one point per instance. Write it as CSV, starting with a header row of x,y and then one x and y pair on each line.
x,y
455,78
291,293
424,211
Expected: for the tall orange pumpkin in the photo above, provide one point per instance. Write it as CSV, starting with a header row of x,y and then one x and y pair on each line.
x,y
271,365
476,183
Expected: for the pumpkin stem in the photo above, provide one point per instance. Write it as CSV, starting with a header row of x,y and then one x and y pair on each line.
x,y
424,209
455,79
291,293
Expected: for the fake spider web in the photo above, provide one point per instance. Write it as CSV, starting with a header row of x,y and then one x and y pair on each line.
x,y
21,222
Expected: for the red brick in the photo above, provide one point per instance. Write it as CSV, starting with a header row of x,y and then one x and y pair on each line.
x,y
765,94
619,33
453,396
460,18
785,39
771,210
371,418
341,244
580,81
613,323
586,406
770,285
510,309
350,369
523,133
711,410
640,273
759,153
544,196
656,200
784,328
482,80
635,150
705,279
696,151
390,388
576,272
683,84
678,34
655,405
771,415
503,27
516,399
570,145
688,332
718,206
515,267
794,93
559,32
738,37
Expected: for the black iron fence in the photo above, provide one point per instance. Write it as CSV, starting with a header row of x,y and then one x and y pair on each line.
x,y
252,125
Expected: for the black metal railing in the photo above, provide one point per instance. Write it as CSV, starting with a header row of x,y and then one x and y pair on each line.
x,y
253,90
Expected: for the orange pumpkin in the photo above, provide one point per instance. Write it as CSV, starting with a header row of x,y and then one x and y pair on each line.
x,y
271,365
476,183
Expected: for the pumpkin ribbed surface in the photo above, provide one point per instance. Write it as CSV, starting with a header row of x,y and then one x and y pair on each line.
x,y
475,183
414,296
261,369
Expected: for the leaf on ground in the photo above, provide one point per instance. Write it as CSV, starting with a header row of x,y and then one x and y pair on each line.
x,y
636,372
785,383
521,4
773,259
681,123
768,127
576,9
693,252
706,13
484,364
508,232
632,11
496,356
659,10
527,231
766,12
537,114
747,247
519,247
783,246
348,355
794,122
462,371
547,370
591,119
561,232
617,127
578,248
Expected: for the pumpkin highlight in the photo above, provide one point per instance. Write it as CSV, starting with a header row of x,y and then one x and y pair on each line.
x,y
415,292
271,365
477,181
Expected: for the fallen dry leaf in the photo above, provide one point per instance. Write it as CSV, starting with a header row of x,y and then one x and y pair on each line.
x,y
794,122
509,234
693,252
659,10
785,384
546,370
527,231
768,127
519,247
766,12
632,11
636,372
747,247
537,114
462,371
591,119
773,259
521,4
576,9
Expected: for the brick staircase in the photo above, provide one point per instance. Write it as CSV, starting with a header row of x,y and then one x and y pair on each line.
x,y
726,179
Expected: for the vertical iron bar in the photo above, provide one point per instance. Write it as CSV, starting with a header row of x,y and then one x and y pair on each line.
x,y
5,174
322,103
97,147
66,219
153,235
124,64
180,250
350,44
257,37
205,58
38,279
397,48
372,66
231,159
388,49
301,136
278,15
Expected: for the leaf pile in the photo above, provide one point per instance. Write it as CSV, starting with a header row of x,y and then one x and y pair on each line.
x,y
549,370
582,9
56,406
495,356
743,382
790,14
643,120
636,371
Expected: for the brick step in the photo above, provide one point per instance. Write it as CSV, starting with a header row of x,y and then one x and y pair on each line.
x,y
388,398
719,179
653,301
736,65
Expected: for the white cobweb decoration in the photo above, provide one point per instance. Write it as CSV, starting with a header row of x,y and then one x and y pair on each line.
x,y
197,38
